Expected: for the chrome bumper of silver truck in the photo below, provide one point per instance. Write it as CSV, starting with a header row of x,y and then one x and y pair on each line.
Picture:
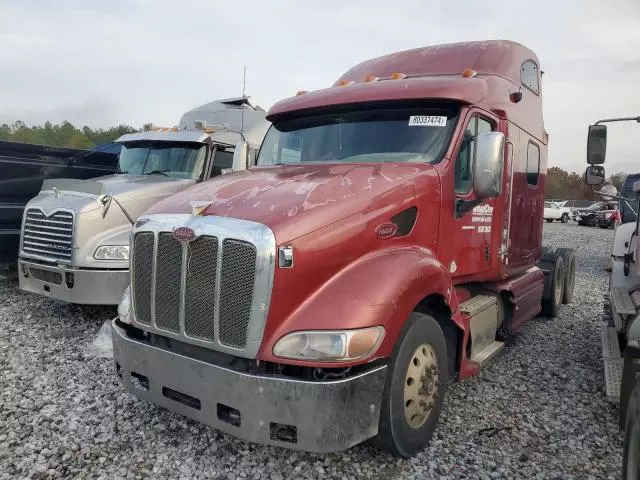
x,y
322,416
87,287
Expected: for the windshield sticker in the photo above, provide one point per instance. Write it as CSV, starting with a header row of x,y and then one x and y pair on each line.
x,y
427,121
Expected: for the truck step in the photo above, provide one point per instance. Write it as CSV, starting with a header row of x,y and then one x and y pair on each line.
x,y
488,352
621,302
483,310
613,363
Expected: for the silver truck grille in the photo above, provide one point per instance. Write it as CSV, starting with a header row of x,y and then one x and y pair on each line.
x,y
212,291
48,236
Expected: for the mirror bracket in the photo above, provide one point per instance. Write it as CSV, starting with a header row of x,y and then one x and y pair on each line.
x,y
465,206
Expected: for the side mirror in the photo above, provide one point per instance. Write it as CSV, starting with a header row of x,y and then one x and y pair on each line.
x,y
487,169
594,175
596,144
240,158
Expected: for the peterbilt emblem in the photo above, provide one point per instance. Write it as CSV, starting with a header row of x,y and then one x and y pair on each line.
x,y
184,234
386,230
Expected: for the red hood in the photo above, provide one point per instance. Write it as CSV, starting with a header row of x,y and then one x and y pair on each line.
x,y
296,200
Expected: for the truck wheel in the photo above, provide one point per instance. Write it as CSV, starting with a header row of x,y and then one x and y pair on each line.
x,y
569,259
415,387
564,218
631,456
549,220
554,286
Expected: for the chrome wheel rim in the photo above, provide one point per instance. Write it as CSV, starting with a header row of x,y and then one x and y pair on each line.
x,y
421,386
558,291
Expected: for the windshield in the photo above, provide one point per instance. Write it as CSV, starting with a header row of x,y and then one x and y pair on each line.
x,y
364,136
171,159
595,206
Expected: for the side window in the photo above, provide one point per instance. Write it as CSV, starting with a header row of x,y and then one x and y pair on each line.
x,y
464,160
533,164
221,160
529,76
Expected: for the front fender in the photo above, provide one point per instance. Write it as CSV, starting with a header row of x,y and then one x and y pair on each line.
x,y
380,288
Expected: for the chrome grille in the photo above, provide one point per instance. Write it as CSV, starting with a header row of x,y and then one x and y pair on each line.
x,y
213,291
48,236
236,291
168,274
200,288
142,276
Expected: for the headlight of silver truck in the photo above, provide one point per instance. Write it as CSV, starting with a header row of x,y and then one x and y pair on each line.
x,y
330,346
124,307
112,252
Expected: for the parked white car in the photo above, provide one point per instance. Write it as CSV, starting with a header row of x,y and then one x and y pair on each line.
x,y
552,211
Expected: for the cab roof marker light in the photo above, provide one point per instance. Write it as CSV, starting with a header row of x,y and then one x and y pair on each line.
x,y
398,76
467,73
301,92
371,78
345,83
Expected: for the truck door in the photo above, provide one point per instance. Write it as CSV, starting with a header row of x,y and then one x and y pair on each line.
x,y
472,230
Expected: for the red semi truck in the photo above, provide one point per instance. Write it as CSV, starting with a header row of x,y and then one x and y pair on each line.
x,y
388,241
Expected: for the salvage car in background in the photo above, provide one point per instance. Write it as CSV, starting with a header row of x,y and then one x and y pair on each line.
x,y
587,216
553,211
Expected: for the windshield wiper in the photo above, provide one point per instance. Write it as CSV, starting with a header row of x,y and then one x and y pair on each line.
x,y
161,172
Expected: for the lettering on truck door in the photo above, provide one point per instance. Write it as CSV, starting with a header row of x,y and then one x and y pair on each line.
x,y
472,231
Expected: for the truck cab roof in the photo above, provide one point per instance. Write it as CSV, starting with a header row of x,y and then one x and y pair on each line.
x,y
227,121
483,73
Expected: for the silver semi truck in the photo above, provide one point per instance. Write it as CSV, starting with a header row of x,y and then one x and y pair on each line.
x,y
74,242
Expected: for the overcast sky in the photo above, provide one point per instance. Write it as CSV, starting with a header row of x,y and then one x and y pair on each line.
x,y
135,61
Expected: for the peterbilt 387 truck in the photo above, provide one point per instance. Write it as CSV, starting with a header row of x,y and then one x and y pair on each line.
x,y
74,242
388,240
621,334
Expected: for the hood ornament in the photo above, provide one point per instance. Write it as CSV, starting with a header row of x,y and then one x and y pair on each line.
x,y
184,234
199,206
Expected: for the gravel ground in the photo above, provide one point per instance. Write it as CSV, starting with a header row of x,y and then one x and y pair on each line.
x,y
63,414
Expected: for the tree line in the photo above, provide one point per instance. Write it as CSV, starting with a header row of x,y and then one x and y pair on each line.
x,y
64,134
563,185
560,183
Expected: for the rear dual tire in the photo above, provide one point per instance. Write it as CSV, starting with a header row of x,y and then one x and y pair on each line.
x,y
415,387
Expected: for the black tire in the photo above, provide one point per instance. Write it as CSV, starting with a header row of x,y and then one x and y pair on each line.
x,y
554,286
631,456
549,220
564,218
395,435
605,226
569,258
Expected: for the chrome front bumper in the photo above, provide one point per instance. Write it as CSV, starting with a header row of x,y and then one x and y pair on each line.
x,y
322,416
88,287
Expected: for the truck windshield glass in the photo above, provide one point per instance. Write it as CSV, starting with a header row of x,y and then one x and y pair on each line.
x,y
178,160
416,135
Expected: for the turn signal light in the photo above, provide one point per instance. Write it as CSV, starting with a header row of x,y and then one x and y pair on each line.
x,y
469,73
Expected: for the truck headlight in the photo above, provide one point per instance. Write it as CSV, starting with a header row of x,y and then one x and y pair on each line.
x,y
124,307
112,252
330,346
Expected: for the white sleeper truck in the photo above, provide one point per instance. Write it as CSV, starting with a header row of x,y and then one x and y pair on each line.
x,y
74,242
